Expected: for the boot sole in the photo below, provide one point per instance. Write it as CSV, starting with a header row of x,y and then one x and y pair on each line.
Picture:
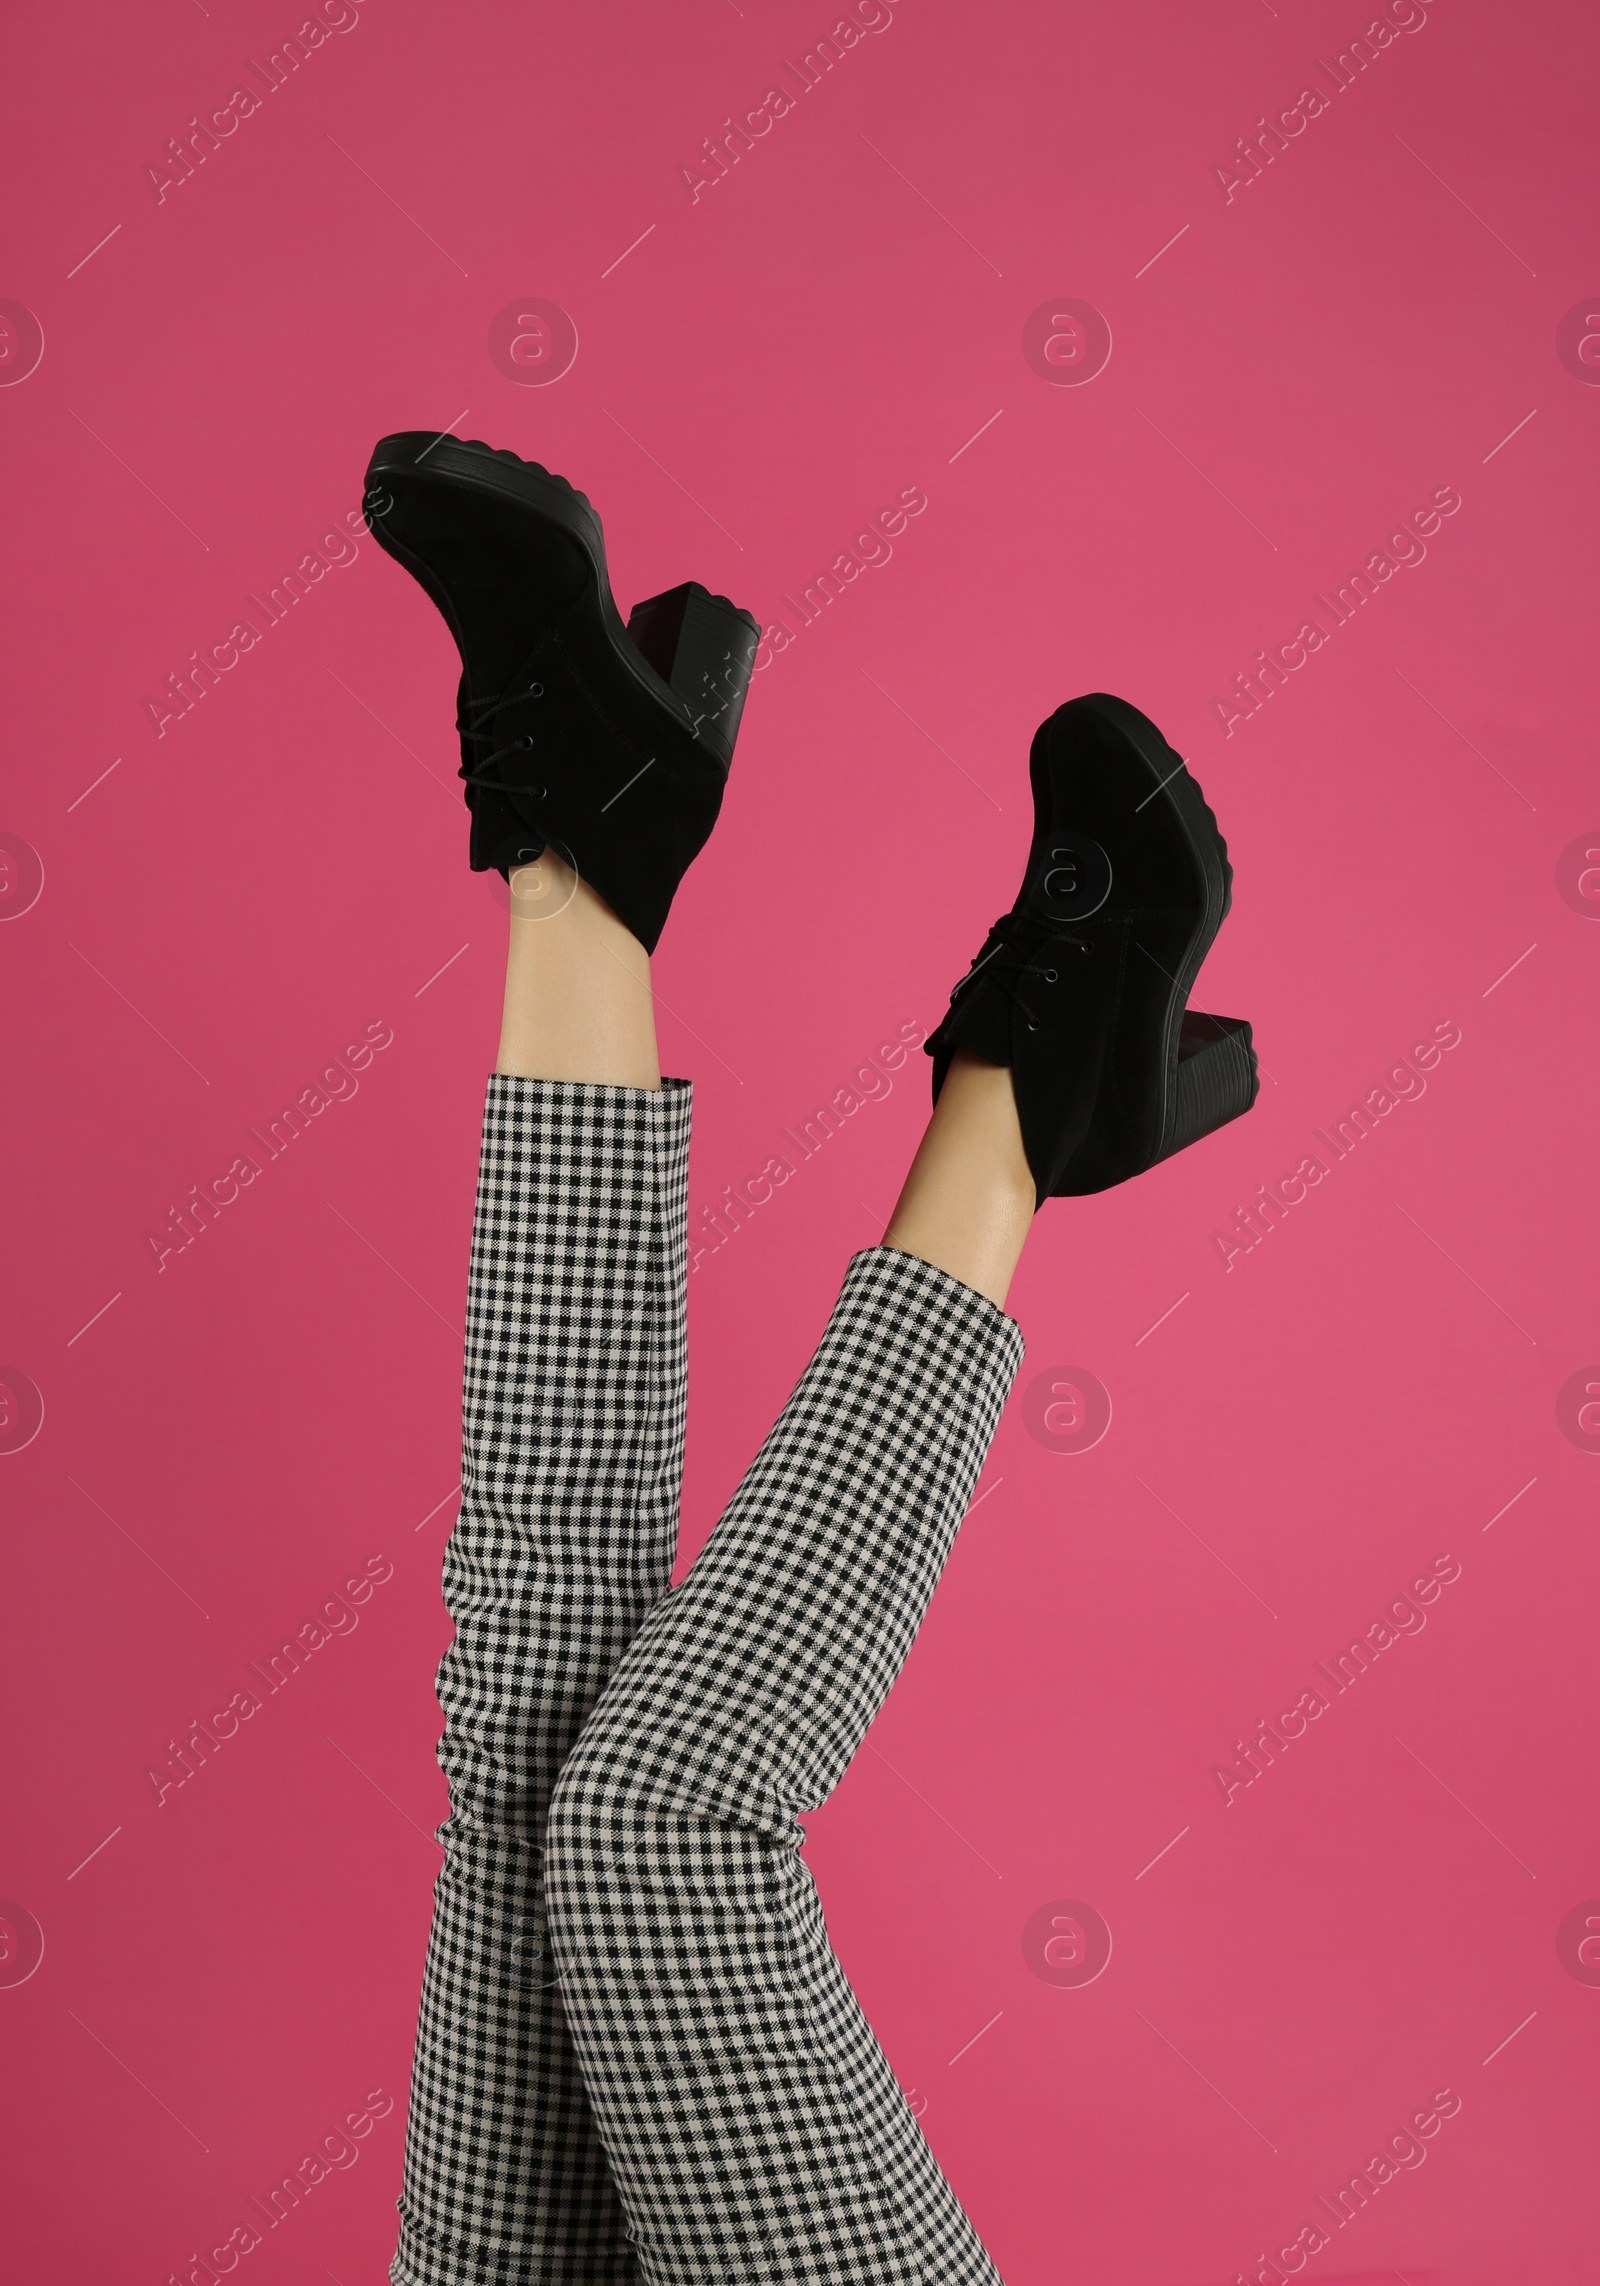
x,y
1202,1076
710,634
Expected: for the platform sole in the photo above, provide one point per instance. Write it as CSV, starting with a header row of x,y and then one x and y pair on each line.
x,y
689,651
1183,1073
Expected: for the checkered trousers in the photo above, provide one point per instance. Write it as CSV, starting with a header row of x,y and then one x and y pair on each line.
x,y
682,1998
572,1413
753,2126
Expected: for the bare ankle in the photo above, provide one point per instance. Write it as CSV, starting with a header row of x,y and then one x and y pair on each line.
x,y
578,1002
969,1199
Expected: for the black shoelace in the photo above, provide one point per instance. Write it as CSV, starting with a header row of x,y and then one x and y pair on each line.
x,y
1022,940
477,769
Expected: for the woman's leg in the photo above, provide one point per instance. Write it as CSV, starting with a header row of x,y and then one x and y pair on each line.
x,y
754,2129
969,1201
577,1003
572,1453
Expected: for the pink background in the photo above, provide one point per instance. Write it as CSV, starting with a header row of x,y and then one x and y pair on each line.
x,y
226,1440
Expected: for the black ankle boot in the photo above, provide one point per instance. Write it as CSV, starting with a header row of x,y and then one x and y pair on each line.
x,y
1081,987
610,743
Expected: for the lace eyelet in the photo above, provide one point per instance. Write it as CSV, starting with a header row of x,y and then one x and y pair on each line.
x,y
536,690
1052,976
526,744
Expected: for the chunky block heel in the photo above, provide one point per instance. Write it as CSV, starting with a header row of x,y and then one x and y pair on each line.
x,y
703,647
1218,1078
1082,987
562,710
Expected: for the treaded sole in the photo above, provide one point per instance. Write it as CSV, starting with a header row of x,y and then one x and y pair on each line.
x,y
1173,785
450,463
495,468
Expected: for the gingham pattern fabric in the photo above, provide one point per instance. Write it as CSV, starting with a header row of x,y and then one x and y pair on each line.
x,y
573,1413
753,2126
